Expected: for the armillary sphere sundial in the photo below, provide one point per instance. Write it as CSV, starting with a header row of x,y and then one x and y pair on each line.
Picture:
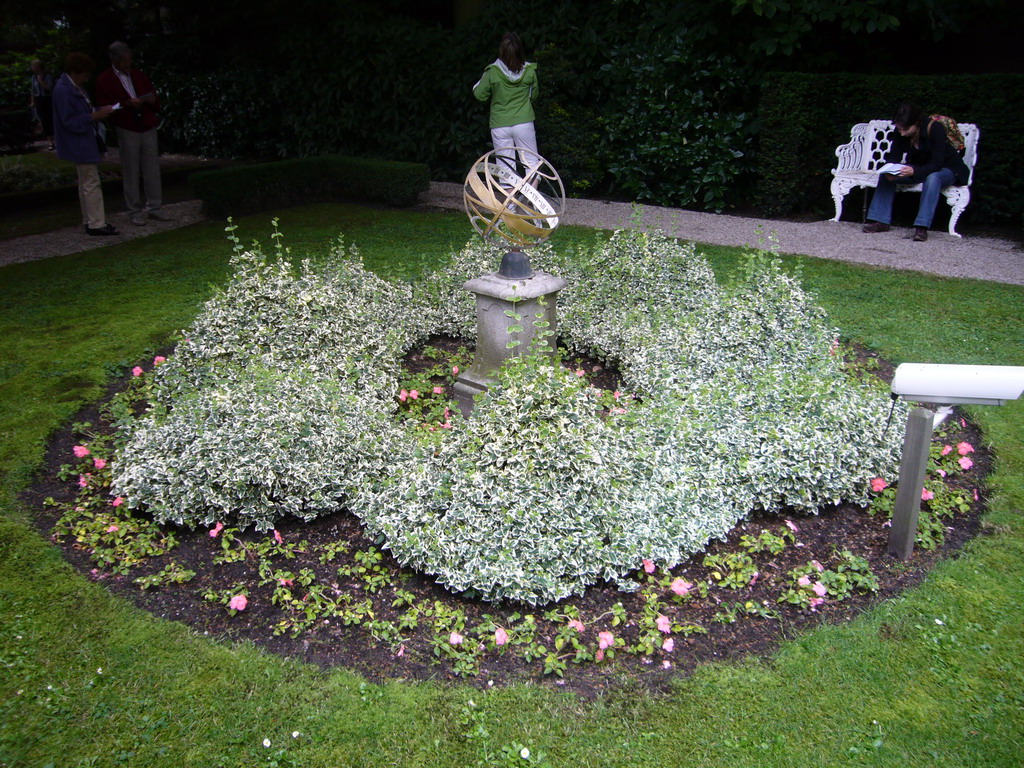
x,y
513,198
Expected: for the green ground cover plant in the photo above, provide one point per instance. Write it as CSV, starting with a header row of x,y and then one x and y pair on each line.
x,y
932,678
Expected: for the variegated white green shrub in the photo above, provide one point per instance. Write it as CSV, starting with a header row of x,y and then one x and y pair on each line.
x,y
279,403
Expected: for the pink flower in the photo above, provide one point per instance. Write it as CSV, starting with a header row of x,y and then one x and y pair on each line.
x,y
238,603
80,451
666,664
681,587
946,450
414,394
113,529
804,581
668,645
403,395
975,494
878,485
792,526
438,390
83,480
455,638
964,448
576,624
137,371
159,359
215,531
818,566
816,601
455,370
663,623
648,566
754,578
942,472
278,537
926,495
605,640
820,589
580,373
599,656
965,462
286,582
401,651
500,636
99,463
616,394
117,502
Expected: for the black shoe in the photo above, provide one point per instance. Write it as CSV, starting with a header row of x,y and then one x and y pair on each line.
x,y
104,231
875,226
920,234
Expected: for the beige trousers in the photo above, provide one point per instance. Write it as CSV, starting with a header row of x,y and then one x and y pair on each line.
x,y
139,155
90,196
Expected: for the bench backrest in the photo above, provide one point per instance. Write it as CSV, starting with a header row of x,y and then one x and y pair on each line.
x,y
871,142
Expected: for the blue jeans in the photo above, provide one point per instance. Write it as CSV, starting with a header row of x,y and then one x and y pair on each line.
x,y
881,201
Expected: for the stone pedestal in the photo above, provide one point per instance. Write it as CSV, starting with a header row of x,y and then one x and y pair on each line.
x,y
496,295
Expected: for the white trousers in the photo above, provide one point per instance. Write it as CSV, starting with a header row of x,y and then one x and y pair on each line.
x,y
507,140
139,155
90,196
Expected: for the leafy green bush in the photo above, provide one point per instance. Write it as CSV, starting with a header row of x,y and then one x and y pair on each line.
x,y
805,117
248,188
281,401
17,176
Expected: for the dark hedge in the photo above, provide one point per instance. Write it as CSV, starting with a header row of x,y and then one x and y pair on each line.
x,y
805,117
249,188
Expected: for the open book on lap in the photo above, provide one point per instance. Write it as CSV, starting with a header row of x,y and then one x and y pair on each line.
x,y
892,168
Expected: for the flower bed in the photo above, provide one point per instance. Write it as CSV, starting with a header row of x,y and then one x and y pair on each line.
x,y
281,401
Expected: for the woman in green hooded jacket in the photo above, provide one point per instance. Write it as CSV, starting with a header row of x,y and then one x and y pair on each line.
x,y
510,84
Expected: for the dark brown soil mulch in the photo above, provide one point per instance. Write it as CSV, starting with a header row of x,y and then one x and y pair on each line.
x,y
329,644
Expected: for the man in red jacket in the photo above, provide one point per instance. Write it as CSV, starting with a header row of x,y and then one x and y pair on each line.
x,y
136,121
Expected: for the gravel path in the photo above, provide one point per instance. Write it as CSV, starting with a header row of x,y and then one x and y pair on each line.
x,y
983,258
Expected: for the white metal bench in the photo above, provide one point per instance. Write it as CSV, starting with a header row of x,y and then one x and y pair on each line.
x,y
869,145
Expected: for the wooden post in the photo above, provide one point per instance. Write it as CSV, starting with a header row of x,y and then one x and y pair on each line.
x,y
912,469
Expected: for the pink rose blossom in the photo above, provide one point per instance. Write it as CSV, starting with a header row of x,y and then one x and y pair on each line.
x,y
926,495
99,463
401,651
83,480
455,370
599,656
80,451
668,645
648,566
438,390
286,582
113,529
878,485
964,448
965,462
159,359
455,638
580,373
605,640
804,581
818,566
816,601
278,537
403,395
117,502
414,394
663,623
792,526
616,394
215,531
666,664
238,603
975,494
137,371
942,472
946,450
576,624
500,636
820,589
681,587
754,578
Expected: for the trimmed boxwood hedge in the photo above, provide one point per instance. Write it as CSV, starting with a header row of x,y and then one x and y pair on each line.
x,y
805,117
249,188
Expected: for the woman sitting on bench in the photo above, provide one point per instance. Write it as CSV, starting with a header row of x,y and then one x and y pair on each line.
x,y
927,158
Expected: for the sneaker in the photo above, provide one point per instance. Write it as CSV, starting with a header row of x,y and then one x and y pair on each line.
x,y
105,231
920,234
159,214
875,226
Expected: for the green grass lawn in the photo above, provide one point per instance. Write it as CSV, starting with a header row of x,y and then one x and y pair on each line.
x,y
893,688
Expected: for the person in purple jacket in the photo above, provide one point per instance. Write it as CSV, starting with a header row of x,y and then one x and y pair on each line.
x,y
76,132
